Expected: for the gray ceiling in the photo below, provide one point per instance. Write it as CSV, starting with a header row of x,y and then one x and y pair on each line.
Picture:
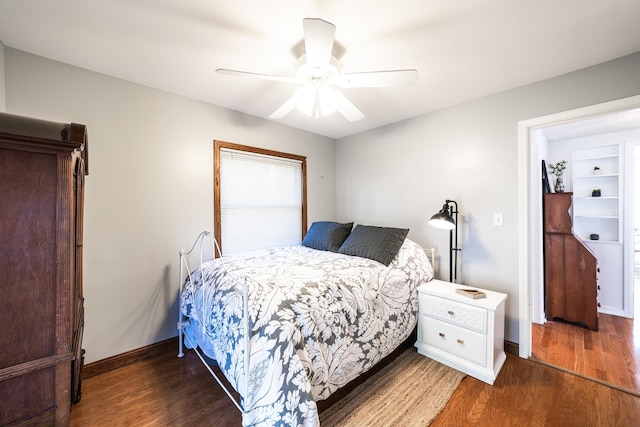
x,y
461,49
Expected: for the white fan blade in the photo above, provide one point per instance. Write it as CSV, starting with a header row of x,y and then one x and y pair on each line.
x,y
255,75
346,108
318,41
389,78
285,109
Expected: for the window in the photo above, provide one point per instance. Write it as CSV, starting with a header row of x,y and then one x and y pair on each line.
x,y
259,198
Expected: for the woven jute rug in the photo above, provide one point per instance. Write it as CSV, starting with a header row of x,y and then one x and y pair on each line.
x,y
410,391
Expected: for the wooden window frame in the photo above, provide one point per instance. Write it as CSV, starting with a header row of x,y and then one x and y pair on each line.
x,y
217,146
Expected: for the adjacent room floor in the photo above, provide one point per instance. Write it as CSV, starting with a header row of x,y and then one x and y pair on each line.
x,y
611,355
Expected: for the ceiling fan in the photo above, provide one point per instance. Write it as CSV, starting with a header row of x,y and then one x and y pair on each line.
x,y
317,70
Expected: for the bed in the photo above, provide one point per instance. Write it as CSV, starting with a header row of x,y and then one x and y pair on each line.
x,y
320,315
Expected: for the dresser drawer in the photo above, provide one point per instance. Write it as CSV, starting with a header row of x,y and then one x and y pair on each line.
x,y
454,340
454,312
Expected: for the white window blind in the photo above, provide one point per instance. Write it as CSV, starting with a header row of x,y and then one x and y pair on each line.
x,y
260,201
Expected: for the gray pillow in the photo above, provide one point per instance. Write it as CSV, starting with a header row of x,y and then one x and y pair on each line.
x,y
327,235
377,243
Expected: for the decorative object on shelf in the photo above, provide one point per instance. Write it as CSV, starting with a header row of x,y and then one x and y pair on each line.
x,y
557,169
596,170
545,179
447,218
596,193
471,293
594,237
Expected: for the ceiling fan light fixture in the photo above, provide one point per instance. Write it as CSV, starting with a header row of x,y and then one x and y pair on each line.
x,y
316,101
316,74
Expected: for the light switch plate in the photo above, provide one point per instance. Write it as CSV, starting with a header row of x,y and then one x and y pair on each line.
x,y
498,219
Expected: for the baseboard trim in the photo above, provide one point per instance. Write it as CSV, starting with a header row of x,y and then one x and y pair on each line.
x,y
119,360
512,347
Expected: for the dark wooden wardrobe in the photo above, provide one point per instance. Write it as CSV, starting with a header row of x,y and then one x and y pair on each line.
x,y
42,170
571,288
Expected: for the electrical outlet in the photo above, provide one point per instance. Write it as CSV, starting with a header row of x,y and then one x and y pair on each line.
x,y
498,219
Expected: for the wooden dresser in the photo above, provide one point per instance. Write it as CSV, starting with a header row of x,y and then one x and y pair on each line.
x,y
571,288
42,170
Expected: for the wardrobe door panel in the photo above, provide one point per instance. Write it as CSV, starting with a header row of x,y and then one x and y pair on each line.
x,y
27,256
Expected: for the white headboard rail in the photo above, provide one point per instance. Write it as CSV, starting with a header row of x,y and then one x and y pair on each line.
x,y
431,254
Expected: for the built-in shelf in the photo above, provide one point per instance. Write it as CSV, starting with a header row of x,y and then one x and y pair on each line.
x,y
601,215
603,175
596,157
596,198
600,241
597,215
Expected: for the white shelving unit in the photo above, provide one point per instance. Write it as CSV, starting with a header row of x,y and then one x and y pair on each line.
x,y
602,216
597,215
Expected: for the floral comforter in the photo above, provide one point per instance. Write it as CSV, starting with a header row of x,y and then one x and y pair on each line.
x,y
318,320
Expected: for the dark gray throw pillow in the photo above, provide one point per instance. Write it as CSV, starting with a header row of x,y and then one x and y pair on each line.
x,y
377,243
327,235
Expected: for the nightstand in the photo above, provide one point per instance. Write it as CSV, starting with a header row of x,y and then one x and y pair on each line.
x,y
464,333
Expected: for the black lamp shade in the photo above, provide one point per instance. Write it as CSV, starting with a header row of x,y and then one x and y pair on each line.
x,y
447,219
443,219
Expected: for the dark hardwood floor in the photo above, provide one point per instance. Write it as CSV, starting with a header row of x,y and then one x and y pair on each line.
x,y
168,391
161,391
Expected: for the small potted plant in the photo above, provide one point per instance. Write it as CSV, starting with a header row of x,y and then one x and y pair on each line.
x,y
596,170
596,193
557,169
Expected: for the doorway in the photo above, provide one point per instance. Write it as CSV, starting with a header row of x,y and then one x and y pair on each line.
x,y
531,270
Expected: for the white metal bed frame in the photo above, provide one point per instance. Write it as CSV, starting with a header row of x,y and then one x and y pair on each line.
x,y
184,266
431,256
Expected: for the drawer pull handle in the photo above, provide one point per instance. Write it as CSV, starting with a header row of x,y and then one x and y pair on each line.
x,y
460,341
441,334
451,312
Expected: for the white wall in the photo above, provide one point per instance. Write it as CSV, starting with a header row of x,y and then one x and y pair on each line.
x,y
538,151
149,191
402,173
150,187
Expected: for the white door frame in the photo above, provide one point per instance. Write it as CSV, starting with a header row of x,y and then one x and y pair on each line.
x,y
529,189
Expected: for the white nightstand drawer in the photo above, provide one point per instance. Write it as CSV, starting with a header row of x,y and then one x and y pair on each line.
x,y
454,340
466,334
457,313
